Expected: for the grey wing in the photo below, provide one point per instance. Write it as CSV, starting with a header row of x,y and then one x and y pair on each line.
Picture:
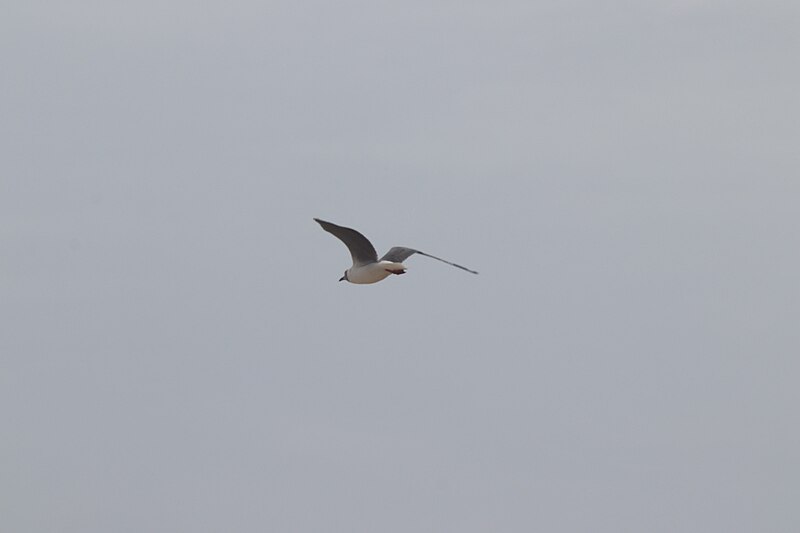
x,y
398,254
361,250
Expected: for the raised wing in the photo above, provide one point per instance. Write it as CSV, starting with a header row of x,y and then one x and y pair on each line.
x,y
361,250
398,254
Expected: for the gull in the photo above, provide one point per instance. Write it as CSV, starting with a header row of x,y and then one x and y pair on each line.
x,y
367,268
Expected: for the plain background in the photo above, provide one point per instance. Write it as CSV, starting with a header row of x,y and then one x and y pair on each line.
x,y
176,354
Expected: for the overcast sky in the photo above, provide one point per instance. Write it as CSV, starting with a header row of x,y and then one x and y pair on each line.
x,y
176,354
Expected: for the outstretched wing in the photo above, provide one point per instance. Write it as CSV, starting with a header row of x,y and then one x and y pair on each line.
x,y
361,250
398,254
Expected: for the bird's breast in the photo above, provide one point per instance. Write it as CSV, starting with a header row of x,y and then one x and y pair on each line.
x,y
373,272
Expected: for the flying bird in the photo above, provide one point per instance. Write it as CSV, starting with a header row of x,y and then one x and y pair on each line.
x,y
367,268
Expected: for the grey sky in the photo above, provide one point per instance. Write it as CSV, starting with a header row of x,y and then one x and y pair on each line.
x,y
176,354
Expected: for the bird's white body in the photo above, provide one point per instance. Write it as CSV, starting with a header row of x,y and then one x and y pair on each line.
x,y
373,272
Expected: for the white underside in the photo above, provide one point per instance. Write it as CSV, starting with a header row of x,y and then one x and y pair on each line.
x,y
373,272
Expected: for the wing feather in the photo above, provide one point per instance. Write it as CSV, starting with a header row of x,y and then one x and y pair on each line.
x,y
398,254
361,250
